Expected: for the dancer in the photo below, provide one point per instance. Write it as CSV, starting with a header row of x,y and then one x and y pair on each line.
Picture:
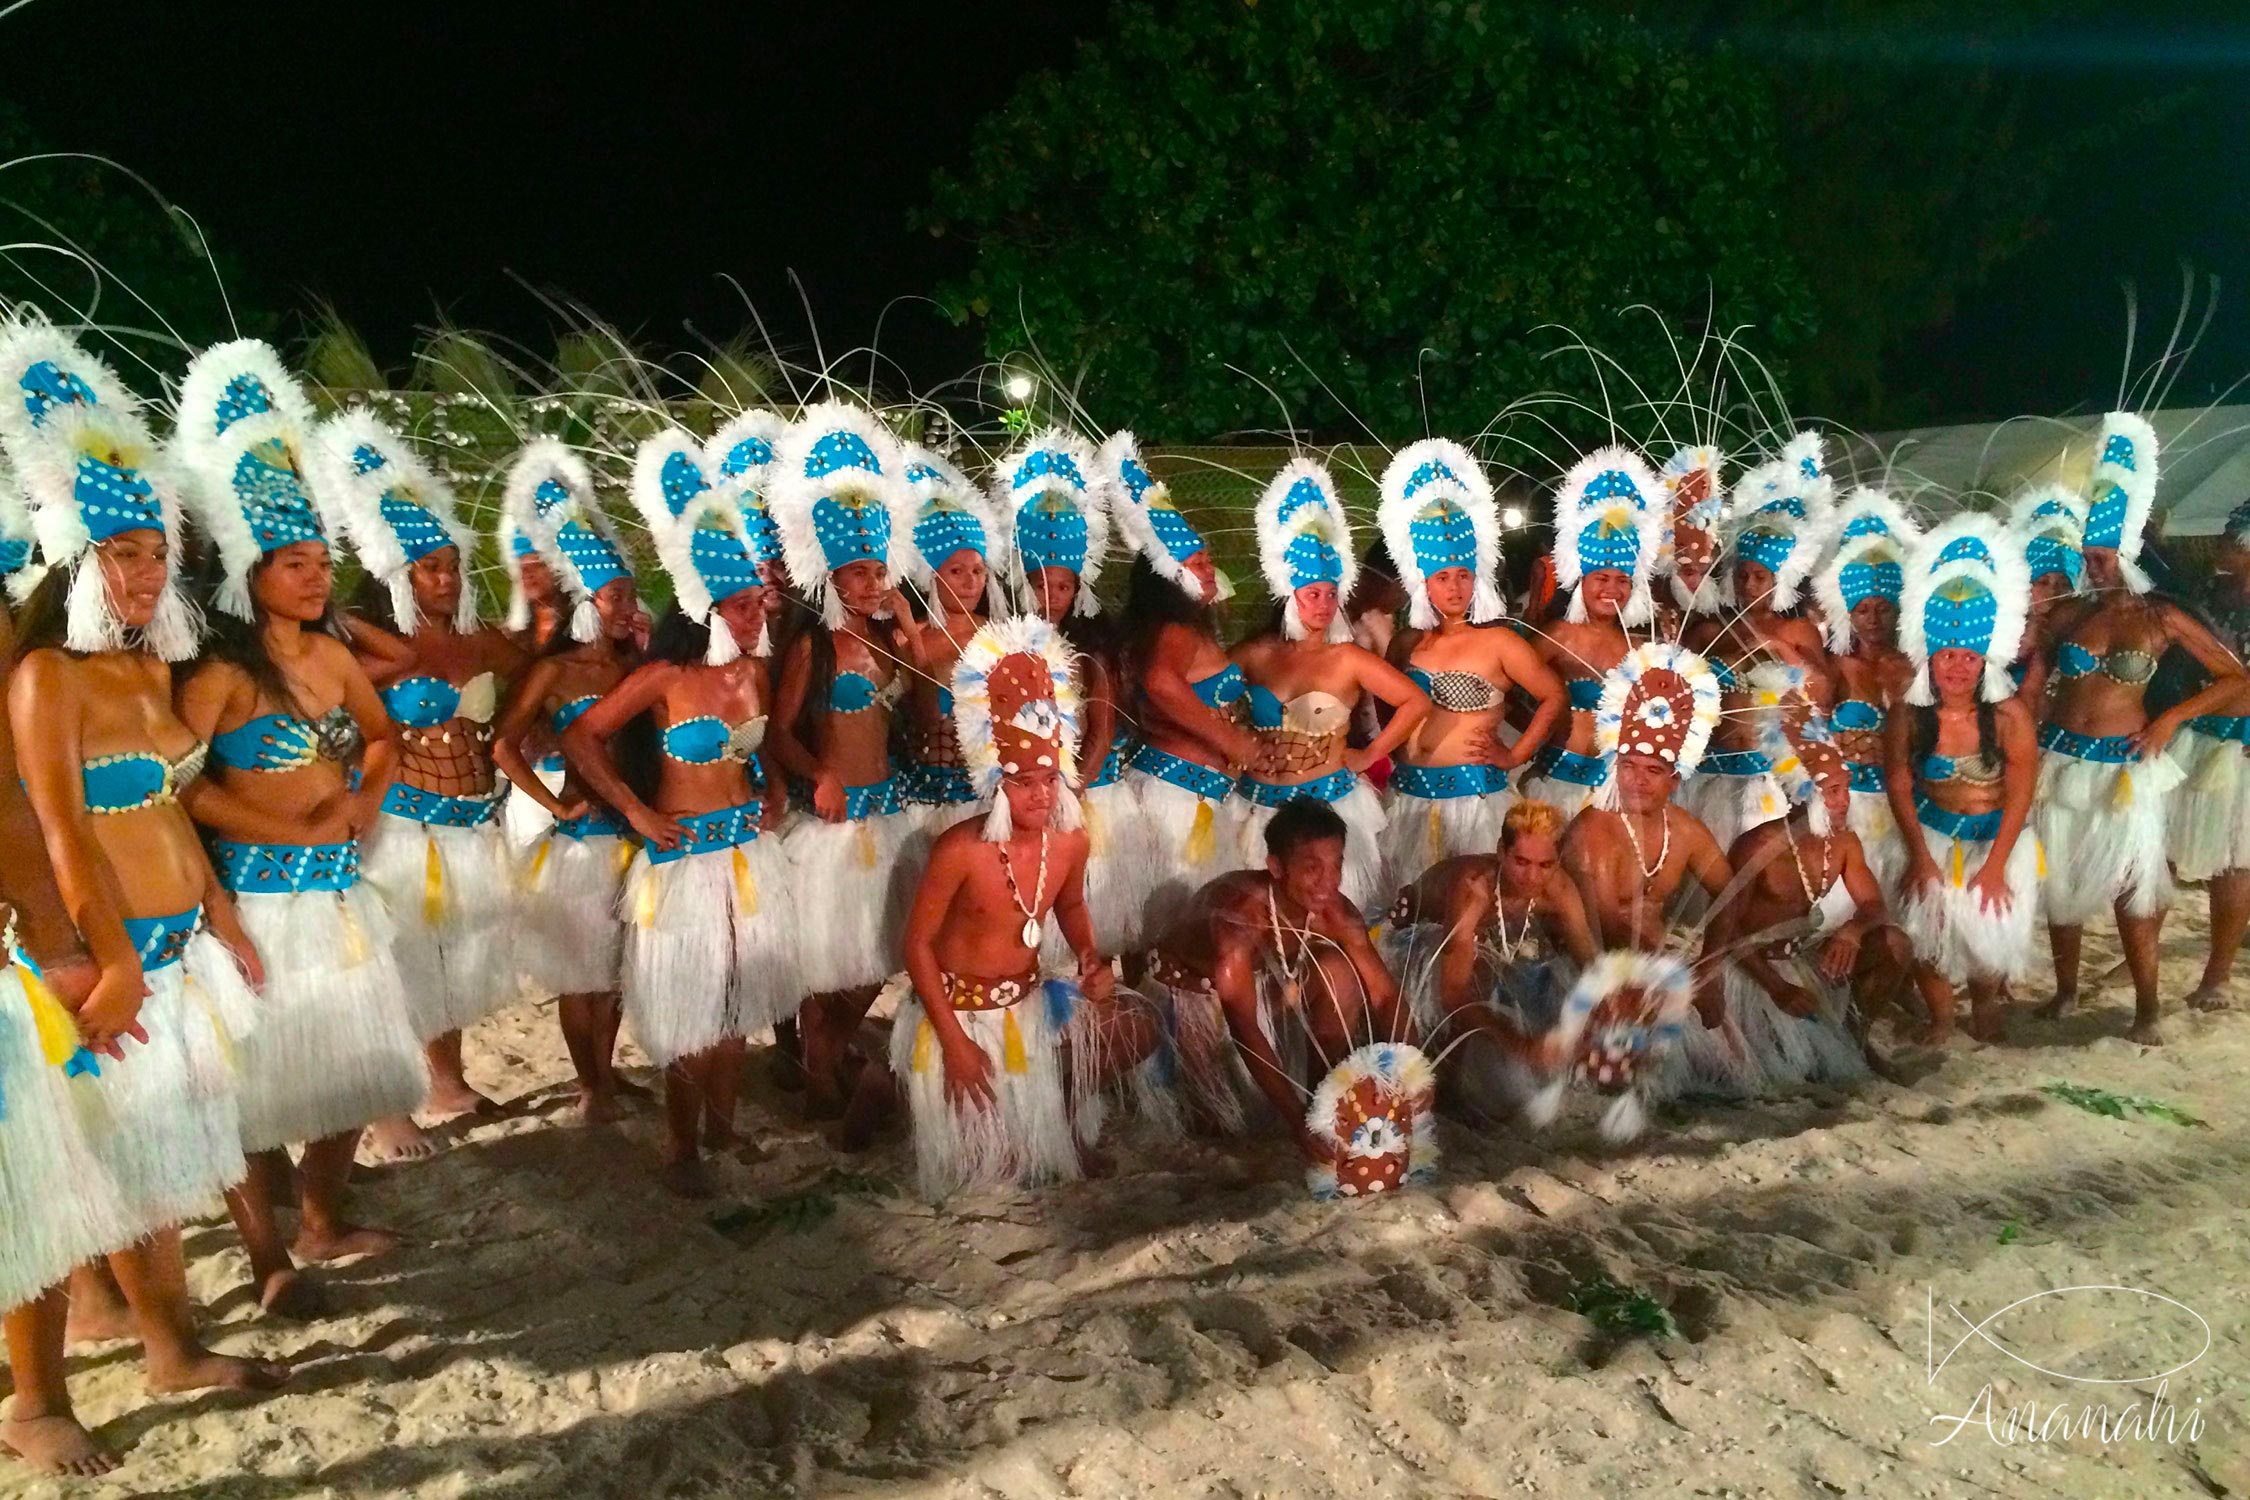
x,y
436,854
955,556
1304,674
574,865
1858,593
1449,783
2049,523
1184,692
2106,773
286,709
2211,811
1960,768
712,921
1689,561
1607,532
1003,1070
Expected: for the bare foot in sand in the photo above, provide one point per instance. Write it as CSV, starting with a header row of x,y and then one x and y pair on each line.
x,y
1989,1024
205,1371
452,1103
344,1243
2147,1033
686,1178
2065,1002
398,1140
292,1294
56,1445
596,1106
2210,997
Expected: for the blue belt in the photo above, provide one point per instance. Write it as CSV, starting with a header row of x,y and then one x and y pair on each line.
x,y
939,786
552,763
1865,777
1570,766
418,806
2106,749
1184,774
597,823
1113,765
1333,787
722,828
1736,763
161,940
2223,726
1969,828
860,802
1444,783
284,869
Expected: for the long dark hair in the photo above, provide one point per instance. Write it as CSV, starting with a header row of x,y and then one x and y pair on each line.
x,y
242,644
43,622
1923,740
1151,603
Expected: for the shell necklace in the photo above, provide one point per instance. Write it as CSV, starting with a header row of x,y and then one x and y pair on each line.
x,y
1031,922
1663,852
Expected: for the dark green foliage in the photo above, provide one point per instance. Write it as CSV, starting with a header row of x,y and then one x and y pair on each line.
x,y
1621,1309
2119,1106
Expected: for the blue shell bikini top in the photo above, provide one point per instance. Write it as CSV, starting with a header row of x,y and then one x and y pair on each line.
x,y
1223,688
138,779
1585,692
1855,714
2124,664
856,693
569,713
426,702
707,739
288,742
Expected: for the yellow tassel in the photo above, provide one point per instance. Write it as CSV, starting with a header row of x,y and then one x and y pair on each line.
x,y
58,1033
644,900
1958,880
1437,831
538,863
218,1027
1012,1056
2042,851
433,885
866,846
1096,838
355,939
745,888
624,856
1203,837
924,1039
2122,796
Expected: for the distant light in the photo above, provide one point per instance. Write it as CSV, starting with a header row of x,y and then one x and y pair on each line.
x,y
1019,387
1511,517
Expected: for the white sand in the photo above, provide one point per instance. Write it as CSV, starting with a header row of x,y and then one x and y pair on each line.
x,y
1198,1327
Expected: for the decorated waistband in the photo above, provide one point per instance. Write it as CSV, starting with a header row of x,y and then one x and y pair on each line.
x,y
1736,763
1444,783
599,822
2223,727
1172,974
161,940
2104,749
438,809
1184,774
860,802
1969,828
1568,765
938,786
285,869
1113,765
722,828
1333,787
552,763
54,1026
966,993
1866,777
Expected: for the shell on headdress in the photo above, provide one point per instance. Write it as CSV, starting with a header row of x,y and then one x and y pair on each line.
x,y
1376,1114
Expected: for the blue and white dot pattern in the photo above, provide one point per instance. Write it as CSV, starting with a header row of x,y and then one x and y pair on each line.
x,y
366,459
244,396
1051,533
1048,463
944,528
750,453
836,451
1138,480
1311,554
1174,532
114,498
681,479
1429,473
590,553
271,492
1861,580
722,561
2117,449
2105,518
2048,553
1864,523
1769,549
418,532
852,527
1442,533
1960,616
14,556
1965,547
47,385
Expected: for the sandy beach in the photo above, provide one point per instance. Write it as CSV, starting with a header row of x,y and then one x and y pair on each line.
x,y
1196,1326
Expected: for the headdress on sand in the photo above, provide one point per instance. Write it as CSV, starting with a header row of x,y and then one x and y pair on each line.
x,y
837,492
242,433
1869,566
1781,544
1966,587
1304,538
1626,1010
2122,491
1150,523
2049,522
1015,706
549,508
1376,1112
1053,507
739,458
1661,700
19,540
1691,479
946,514
1436,512
700,536
91,471
1609,517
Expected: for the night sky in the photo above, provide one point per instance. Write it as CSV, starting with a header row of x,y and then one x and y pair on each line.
x,y
400,159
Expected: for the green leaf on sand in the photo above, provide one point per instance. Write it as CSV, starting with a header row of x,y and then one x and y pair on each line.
x,y
2120,1106
1621,1309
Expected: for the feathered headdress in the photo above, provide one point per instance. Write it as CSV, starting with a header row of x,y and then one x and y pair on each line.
x,y
1777,541
1692,480
1794,736
1052,497
1872,512
243,431
1151,524
19,540
1661,700
2238,525
2049,521
1627,1009
1966,586
1869,566
1607,519
91,471
1376,1113
1436,512
740,456
549,502
700,536
1015,704
394,507
1794,481
838,496
1305,538
2122,491
947,514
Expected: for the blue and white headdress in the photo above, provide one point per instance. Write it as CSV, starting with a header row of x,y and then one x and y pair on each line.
x,y
947,514
740,458
394,508
90,470
19,539
1872,512
1966,587
1609,517
1795,480
1696,495
549,502
2122,491
1016,705
1871,565
1150,523
1052,496
242,435
838,496
1780,543
2049,520
700,536
1305,538
1436,512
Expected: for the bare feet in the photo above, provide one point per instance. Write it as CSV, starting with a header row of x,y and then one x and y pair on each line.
x,y
398,1140
98,1321
2147,1033
2210,997
1988,1024
56,1445
205,1371
686,1178
2063,1004
292,1294
596,1106
449,1103
344,1243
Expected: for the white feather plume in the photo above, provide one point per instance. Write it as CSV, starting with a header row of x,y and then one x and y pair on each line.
x,y
1467,489
1132,512
1574,511
358,498
1330,522
793,494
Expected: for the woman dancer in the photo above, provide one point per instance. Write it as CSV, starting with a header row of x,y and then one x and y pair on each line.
x,y
955,556
436,853
2211,811
710,949
2049,523
1858,593
1449,786
1305,674
575,866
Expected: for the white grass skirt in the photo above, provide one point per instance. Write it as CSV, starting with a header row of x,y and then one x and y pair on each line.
x,y
711,947
1950,928
573,940
58,1207
1189,842
1730,806
1122,867
525,820
856,890
1030,1135
335,1047
1362,812
2104,827
451,893
1569,798
1420,831
1785,1050
1877,826
2211,808
1194,1075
